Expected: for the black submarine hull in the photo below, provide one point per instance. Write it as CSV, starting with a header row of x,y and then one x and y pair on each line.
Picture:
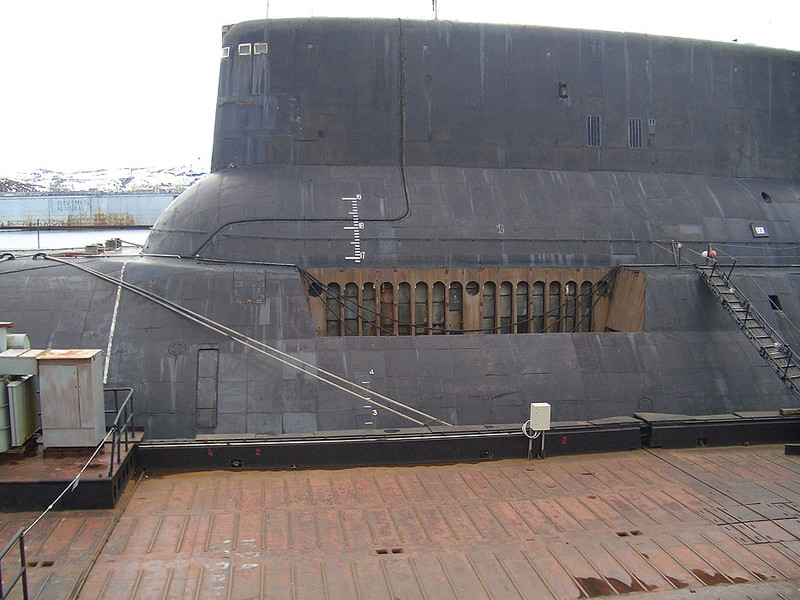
x,y
690,360
460,220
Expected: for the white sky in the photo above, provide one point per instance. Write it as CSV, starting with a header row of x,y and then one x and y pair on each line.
x,y
90,84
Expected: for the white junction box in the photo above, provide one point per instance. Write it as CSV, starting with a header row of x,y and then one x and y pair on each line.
x,y
540,416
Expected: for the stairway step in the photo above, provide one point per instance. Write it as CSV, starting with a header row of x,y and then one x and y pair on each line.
x,y
781,358
757,329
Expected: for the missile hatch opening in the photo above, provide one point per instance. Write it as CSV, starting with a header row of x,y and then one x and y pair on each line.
x,y
377,302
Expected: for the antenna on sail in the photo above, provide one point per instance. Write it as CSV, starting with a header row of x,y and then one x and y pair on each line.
x,y
435,10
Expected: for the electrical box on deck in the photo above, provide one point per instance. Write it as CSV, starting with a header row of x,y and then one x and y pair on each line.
x,y
71,398
540,416
18,417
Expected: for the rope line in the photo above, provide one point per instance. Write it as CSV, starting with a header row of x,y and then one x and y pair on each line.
x,y
265,349
755,282
743,272
72,484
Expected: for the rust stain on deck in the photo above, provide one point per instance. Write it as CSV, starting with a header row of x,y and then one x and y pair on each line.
x,y
647,521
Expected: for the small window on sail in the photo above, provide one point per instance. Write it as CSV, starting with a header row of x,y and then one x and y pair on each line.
x,y
245,49
226,51
260,48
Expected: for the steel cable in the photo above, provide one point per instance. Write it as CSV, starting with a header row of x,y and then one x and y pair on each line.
x,y
265,349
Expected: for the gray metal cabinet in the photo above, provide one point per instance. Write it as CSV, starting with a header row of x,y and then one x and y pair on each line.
x,y
71,397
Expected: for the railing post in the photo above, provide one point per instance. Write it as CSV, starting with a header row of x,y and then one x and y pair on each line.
x,y
22,573
731,269
119,446
23,566
111,459
122,422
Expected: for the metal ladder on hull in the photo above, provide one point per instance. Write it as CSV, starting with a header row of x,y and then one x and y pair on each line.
x,y
770,345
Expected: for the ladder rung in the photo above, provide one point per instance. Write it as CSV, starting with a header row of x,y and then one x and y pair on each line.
x,y
780,358
757,328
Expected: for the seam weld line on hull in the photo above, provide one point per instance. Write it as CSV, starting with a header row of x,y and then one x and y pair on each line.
x,y
113,328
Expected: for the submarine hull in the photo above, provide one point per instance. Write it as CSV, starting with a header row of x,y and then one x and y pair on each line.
x,y
188,379
435,224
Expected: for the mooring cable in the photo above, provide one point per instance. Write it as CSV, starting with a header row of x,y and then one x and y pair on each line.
x,y
261,347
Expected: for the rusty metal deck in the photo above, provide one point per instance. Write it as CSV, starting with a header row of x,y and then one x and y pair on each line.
x,y
701,523
33,479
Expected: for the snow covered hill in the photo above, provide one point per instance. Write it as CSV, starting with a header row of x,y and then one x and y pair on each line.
x,y
136,179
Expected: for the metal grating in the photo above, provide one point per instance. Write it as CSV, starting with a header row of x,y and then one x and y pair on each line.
x,y
634,133
593,131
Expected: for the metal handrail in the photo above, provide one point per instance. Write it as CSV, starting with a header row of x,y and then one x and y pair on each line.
x,y
752,312
121,426
22,573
